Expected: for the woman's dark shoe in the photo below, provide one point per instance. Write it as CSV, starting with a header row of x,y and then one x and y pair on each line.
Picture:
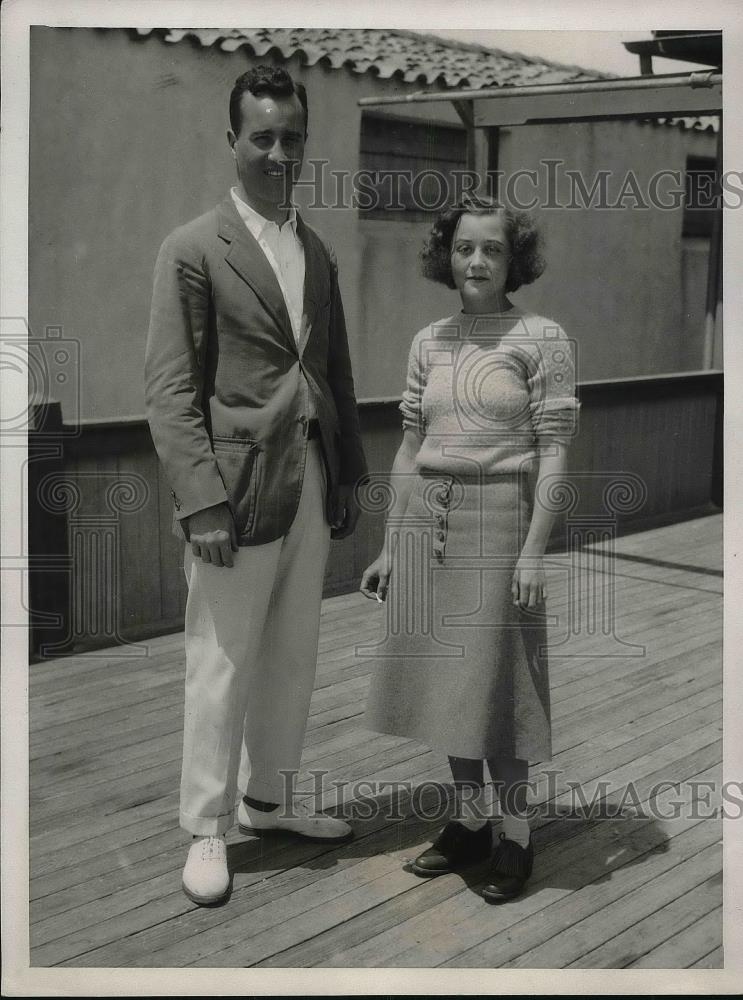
x,y
455,847
510,868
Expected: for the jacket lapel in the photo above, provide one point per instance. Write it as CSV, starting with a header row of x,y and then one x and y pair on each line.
x,y
315,281
247,259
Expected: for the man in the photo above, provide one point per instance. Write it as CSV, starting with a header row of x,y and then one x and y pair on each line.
x,y
251,404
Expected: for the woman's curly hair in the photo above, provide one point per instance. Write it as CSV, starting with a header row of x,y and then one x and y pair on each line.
x,y
524,238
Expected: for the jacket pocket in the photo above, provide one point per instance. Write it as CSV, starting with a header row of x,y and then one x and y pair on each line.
x,y
238,460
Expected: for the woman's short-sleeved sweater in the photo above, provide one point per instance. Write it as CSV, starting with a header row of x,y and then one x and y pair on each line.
x,y
486,390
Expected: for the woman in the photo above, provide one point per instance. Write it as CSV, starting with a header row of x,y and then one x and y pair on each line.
x,y
488,412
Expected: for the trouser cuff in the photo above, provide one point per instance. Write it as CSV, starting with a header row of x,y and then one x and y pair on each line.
x,y
207,826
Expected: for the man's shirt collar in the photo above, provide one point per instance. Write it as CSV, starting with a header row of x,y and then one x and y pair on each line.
x,y
256,222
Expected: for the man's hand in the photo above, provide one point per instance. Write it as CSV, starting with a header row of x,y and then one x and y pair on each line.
x,y
345,512
213,535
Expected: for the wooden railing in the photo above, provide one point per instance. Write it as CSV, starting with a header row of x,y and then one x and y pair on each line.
x,y
105,562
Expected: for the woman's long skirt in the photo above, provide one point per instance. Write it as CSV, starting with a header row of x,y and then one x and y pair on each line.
x,y
460,667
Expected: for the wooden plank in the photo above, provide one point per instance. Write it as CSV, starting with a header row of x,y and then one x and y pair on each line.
x,y
67,769
91,807
134,788
62,669
668,576
701,535
575,729
614,764
112,669
63,878
291,928
100,910
663,576
112,715
166,754
147,690
139,824
143,672
57,672
75,884
375,938
640,681
90,796
117,824
150,723
459,933
663,760
136,917
584,677
688,624
132,798
66,900
650,915
700,938
431,946
576,923
703,638
713,960
286,856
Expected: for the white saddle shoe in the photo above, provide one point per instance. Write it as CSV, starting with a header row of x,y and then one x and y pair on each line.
x,y
206,880
298,820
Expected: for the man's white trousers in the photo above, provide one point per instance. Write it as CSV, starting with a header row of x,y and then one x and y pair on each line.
x,y
251,654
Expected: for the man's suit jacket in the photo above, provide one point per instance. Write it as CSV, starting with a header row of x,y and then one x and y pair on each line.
x,y
226,384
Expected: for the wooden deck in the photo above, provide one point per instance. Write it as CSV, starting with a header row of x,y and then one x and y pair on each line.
x,y
640,891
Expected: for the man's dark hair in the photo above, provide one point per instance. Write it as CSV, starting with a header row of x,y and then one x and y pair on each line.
x,y
262,80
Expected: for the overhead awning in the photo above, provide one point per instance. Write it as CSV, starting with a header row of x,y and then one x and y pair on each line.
x,y
701,47
598,100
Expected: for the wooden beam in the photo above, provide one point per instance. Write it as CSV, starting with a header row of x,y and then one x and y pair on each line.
x,y
479,145
682,99
478,150
672,82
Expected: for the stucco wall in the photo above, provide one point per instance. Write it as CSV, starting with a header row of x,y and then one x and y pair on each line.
x,y
128,140
622,281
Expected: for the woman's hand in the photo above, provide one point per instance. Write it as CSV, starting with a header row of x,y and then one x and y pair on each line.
x,y
529,584
376,578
